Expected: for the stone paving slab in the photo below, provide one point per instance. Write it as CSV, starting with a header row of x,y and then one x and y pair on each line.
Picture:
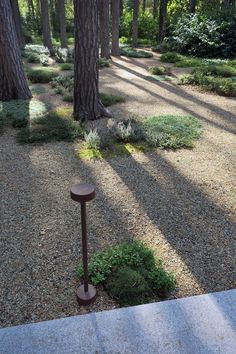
x,y
204,324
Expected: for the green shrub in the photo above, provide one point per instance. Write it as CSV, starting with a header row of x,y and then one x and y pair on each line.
x,y
188,62
64,82
127,131
66,66
54,126
104,63
216,70
133,53
93,139
170,57
146,25
43,76
33,58
172,132
109,100
68,98
159,70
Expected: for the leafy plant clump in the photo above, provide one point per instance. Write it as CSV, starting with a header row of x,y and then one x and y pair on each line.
x,y
66,66
93,139
130,273
159,70
43,76
133,53
216,70
172,132
104,63
125,130
170,57
32,57
109,100
54,126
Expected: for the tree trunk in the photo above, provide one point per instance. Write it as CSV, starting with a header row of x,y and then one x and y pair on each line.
x,y
104,27
47,40
87,105
13,83
121,7
115,50
62,17
135,23
192,6
144,5
162,20
155,8
17,20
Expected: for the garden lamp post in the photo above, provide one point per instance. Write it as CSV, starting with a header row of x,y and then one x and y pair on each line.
x,y
83,193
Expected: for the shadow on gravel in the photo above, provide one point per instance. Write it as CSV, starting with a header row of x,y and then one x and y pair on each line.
x,y
227,116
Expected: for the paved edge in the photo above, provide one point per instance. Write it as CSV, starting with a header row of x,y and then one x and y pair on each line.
x,y
198,324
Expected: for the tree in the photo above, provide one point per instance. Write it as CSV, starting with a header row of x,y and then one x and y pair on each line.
x,y
104,15
155,8
13,83
17,21
46,28
144,5
162,20
135,23
192,6
87,105
62,20
115,50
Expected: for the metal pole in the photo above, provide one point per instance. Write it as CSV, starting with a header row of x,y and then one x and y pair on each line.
x,y
84,245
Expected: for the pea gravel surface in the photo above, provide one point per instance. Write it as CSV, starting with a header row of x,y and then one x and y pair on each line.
x,y
180,203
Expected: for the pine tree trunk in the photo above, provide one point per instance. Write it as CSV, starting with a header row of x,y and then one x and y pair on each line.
x,y
104,27
155,8
162,20
17,20
144,5
62,17
135,23
192,6
46,28
121,7
115,50
87,105
13,83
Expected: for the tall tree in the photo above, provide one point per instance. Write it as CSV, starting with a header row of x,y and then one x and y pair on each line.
x,y
104,27
62,19
135,23
87,105
17,20
46,28
115,50
192,6
155,8
13,83
162,20
144,5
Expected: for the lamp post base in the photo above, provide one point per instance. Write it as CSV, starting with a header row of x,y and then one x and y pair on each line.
x,y
86,298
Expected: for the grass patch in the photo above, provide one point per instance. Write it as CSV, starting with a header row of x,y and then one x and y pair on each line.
x,y
56,125
133,53
170,57
43,76
172,132
159,78
109,100
66,66
216,70
159,70
130,273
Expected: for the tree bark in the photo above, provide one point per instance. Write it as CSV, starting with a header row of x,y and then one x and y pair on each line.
x,y
46,28
155,8
17,20
13,83
62,17
144,5
162,20
121,7
104,27
115,50
87,105
135,23
192,6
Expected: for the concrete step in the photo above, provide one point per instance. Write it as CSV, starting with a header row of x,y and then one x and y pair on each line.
x,y
204,324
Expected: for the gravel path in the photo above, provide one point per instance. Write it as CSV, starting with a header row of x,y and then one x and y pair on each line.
x,y
181,203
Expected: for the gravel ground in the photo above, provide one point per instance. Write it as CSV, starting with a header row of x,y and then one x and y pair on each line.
x,y
181,203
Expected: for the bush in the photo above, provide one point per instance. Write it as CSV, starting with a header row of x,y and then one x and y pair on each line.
x,y
51,127
38,49
130,264
216,70
42,76
33,58
109,100
172,132
66,66
65,83
159,70
104,63
93,139
146,25
133,53
125,130
170,57
44,59
64,55
68,98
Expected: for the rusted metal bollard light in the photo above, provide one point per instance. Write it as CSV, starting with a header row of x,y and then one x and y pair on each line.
x,y
83,193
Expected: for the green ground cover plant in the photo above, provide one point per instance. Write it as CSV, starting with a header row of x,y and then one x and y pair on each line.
x,y
130,273
133,53
41,75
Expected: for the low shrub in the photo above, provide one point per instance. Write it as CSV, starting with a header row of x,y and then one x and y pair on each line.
x,y
32,57
109,100
130,273
68,98
93,139
43,76
104,63
66,66
216,70
44,59
125,130
170,57
172,132
36,48
133,53
64,82
159,70
64,55
53,126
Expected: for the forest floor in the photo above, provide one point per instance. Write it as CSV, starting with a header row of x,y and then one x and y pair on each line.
x,y
180,203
